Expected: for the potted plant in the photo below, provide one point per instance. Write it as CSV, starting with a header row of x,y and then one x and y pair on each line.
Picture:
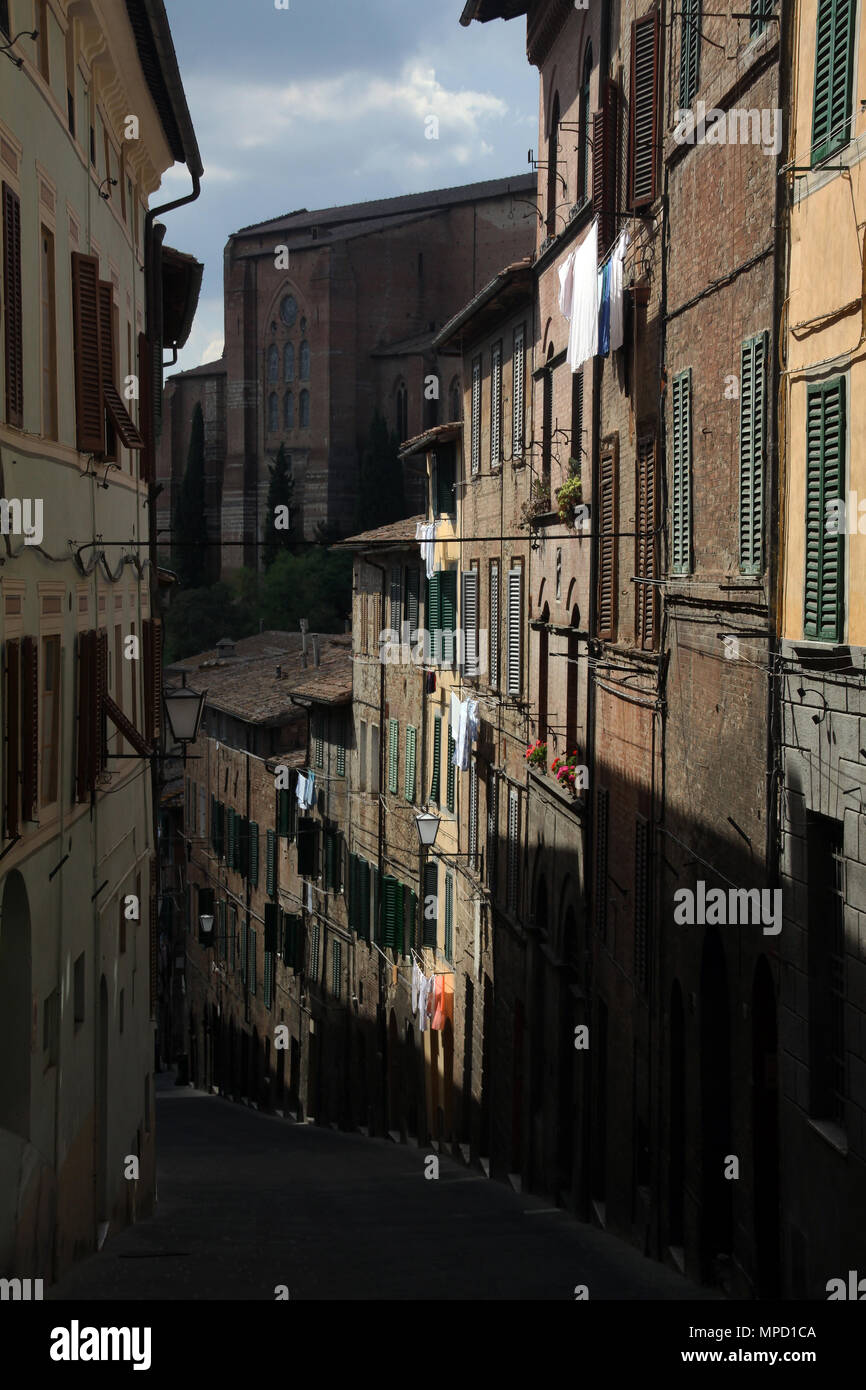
x,y
569,496
569,773
538,504
536,754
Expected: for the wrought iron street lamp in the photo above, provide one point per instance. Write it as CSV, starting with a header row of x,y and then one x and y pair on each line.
x,y
184,708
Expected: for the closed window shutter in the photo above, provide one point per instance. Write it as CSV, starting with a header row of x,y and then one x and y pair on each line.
x,y
267,986
476,415
607,545
605,162
601,807
244,945
400,919
437,759
388,911
145,407
681,500
353,893
753,358
393,756
13,307
341,752
834,59
448,581
517,398
230,838
153,909
759,10
89,414
641,901
496,406
494,624
308,848
13,735
284,809
336,967
412,919
515,630
254,854
513,848
222,911
252,961
645,546
492,830
690,50
413,588
449,917
271,869
330,860
411,747
434,616
431,909
470,622
152,642
396,596
825,473
29,728
320,750
450,771
107,360
643,110
315,933
365,883
473,811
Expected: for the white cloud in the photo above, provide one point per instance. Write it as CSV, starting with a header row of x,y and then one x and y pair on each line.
x,y
213,352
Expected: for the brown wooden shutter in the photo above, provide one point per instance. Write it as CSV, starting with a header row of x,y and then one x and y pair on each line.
x,y
645,544
607,544
29,728
145,407
13,307
89,412
605,124
120,419
100,686
154,934
152,636
13,713
643,111
107,359
82,756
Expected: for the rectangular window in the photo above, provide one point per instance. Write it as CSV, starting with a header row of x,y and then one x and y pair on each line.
x,y
268,981
681,481
362,755
690,51
827,973
396,598
643,110
450,781
515,630
518,411
469,621
493,637
646,545
513,866
271,869
431,903
444,635
49,337
496,406
393,756
760,11
4,19
13,311
492,830
437,759
834,65
577,421
449,917
315,934
336,968
601,814
251,962
473,813
411,749
50,718
607,549
823,616
753,357
70,79
641,902
413,598
476,416
445,477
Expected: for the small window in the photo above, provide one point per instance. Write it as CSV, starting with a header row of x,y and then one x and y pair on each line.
x,y
273,363
273,413
304,405
289,362
289,310
289,411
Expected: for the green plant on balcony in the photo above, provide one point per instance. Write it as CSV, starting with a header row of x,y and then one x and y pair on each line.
x,y
569,496
538,503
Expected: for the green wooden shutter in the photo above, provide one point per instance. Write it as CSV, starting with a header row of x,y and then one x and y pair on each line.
x,y
834,59
681,501
399,942
364,884
330,859
825,474
271,878
252,960
254,854
760,11
244,945
450,772
409,779
448,580
284,808
753,356
388,911
690,51
393,756
412,924
431,904
449,917
434,616
437,758
493,637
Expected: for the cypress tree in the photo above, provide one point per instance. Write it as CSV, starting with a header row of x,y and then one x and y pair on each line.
x,y
277,529
381,480
189,529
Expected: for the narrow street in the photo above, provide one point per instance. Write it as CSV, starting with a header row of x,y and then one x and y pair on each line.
x,y
250,1201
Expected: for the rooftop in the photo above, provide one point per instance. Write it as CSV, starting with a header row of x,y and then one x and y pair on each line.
x,y
246,685
395,533
439,434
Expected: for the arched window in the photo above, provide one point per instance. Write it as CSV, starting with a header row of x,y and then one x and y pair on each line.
x,y
289,362
401,404
288,310
288,411
273,412
455,397
273,363
304,410
305,362
583,155
552,180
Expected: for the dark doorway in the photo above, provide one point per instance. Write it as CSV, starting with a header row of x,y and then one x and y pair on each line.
x,y
765,1130
716,1189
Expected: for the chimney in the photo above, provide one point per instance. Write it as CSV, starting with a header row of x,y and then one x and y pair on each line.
x,y
304,625
316,654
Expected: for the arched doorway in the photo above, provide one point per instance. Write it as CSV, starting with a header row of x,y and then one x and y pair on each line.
x,y
677,1118
765,1130
716,1189
15,995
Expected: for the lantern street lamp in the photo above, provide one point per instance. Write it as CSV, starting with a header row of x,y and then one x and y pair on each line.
x,y
206,920
184,708
427,826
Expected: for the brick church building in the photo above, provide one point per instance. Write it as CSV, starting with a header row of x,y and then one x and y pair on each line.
x,y
329,315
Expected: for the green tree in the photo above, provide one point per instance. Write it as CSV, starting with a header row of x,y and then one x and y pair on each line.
x,y
189,525
316,585
381,478
277,530
196,619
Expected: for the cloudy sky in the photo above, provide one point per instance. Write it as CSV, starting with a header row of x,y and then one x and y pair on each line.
x,y
326,103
